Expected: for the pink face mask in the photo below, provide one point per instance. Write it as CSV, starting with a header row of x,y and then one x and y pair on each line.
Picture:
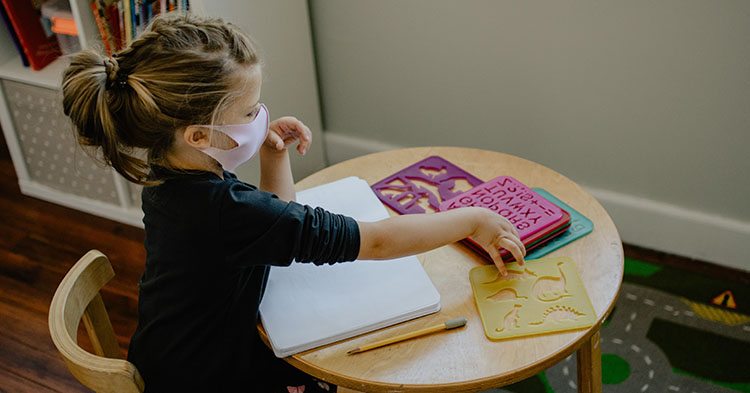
x,y
249,138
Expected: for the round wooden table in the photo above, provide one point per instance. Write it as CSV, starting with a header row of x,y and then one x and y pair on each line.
x,y
465,359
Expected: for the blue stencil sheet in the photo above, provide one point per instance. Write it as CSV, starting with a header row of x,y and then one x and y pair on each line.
x,y
579,227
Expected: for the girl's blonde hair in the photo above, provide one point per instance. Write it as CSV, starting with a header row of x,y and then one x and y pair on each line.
x,y
178,72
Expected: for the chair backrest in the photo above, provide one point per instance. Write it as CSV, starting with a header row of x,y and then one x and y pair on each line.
x,y
77,298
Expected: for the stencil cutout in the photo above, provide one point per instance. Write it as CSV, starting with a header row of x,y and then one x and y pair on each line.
x,y
507,294
421,187
551,288
543,296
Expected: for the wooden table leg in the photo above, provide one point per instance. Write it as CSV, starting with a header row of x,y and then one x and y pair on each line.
x,y
590,366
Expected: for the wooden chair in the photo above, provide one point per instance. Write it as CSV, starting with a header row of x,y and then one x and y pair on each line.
x,y
77,298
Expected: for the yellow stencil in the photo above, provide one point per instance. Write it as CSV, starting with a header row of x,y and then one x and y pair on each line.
x,y
542,296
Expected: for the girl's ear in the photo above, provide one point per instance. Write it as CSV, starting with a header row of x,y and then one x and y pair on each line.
x,y
196,136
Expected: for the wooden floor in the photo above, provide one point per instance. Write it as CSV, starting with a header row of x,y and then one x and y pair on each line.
x,y
40,241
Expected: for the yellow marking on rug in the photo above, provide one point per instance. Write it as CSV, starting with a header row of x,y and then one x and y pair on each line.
x,y
716,314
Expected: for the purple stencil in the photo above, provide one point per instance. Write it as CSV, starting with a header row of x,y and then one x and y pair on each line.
x,y
403,190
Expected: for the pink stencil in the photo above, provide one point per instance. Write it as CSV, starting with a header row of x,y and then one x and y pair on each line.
x,y
528,211
424,184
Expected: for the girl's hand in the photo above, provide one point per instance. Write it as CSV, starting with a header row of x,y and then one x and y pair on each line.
x,y
495,232
284,131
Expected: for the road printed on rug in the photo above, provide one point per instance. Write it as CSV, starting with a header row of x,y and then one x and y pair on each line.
x,y
626,337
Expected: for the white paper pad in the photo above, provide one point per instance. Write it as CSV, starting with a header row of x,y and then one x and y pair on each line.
x,y
307,306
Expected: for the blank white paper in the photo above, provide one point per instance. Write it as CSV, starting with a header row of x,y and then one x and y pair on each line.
x,y
307,306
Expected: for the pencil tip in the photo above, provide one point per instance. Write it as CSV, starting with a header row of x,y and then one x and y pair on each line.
x,y
353,351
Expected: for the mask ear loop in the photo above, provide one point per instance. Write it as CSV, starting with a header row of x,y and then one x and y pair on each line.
x,y
211,136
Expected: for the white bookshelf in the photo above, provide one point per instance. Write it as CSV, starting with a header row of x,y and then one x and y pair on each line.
x,y
49,77
45,84
291,89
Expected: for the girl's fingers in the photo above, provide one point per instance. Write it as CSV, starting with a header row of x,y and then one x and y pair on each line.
x,y
508,227
515,232
521,246
517,240
290,129
305,139
498,260
513,248
273,140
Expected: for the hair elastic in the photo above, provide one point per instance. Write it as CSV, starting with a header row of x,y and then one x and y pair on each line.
x,y
115,78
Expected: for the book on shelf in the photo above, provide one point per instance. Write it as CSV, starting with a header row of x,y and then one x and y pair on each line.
x,y
58,18
102,18
13,36
39,48
113,14
120,21
127,21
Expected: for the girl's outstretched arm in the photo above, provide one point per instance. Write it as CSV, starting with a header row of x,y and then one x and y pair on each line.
x,y
275,169
416,233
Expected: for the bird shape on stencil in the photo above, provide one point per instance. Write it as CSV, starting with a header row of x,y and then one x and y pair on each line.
x,y
453,186
512,275
510,321
448,185
393,188
433,173
409,194
440,187
559,313
551,288
426,195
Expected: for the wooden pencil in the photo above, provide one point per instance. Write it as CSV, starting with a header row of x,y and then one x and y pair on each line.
x,y
453,323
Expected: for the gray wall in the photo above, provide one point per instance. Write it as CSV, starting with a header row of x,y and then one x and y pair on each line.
x,y
281,29
647,104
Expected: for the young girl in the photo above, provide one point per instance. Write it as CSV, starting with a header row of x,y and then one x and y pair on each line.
x,y
177,111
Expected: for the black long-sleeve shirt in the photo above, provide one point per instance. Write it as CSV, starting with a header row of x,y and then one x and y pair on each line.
x,y
209,244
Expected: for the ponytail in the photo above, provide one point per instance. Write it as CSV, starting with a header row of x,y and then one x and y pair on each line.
x,y
88,86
